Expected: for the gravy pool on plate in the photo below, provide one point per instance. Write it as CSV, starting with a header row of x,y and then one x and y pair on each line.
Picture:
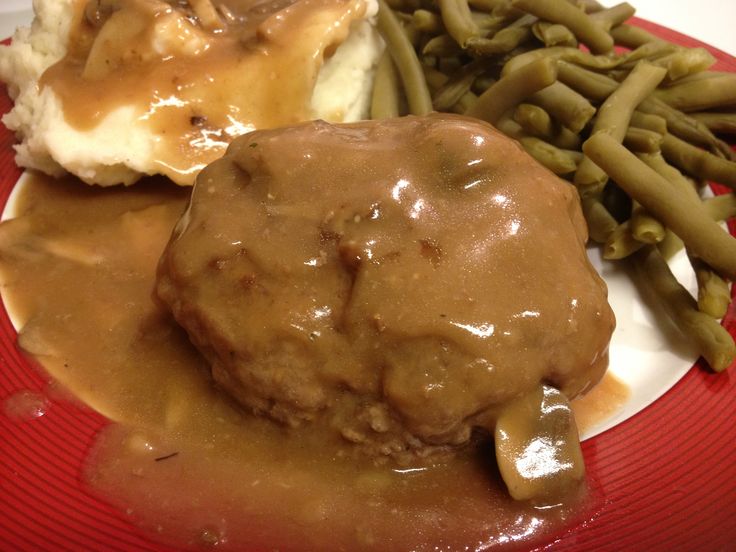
x,y
182,456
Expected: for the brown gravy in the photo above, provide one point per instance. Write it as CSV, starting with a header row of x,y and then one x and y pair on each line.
x,y
194,87
78,267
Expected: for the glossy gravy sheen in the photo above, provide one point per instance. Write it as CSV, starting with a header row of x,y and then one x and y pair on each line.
x,y
78,267
193,85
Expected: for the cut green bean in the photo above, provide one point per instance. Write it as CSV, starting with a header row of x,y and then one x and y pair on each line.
x,y
457,85
701,94
487,5
686,218
588,83
555,159
554,34
720,123
699,162
583,27
621,243
721,207
714,294
641,140
647,121
512,89
565,105
427,22
632,37
644,227
458,21
614,116
385,100
436,80
442,46
405,58
683,186
537,122
601,223
684,62
712,340
683,126
534,120
503,41
611,17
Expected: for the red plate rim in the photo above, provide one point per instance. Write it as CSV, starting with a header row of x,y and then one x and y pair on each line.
x,y
664,479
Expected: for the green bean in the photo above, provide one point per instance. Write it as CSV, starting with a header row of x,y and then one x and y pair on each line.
x,y
601,223
442,46
562,53
589,6
684,126
512,89
510,128
427,22
724,123
721,207
559,11
644,227
615,114
651,51
696,77
642,140
611,17
554,34
534,120
449,65
457,85
686,218
405,58
458,21
508,11
588,83
684,62
654,123
714,294
487,5
566,139
683,186
564,104
632,37
621,243
700,94
488,24
537,122
385,99
503,41
713,341
404,5
699,162
555,159
670,245
436,80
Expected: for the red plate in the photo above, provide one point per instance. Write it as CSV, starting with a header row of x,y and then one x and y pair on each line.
x,y
665,479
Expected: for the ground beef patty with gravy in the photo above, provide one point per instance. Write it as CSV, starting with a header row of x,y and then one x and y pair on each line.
x,y
396,281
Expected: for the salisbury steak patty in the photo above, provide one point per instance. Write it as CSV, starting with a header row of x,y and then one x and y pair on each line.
x,y
396,281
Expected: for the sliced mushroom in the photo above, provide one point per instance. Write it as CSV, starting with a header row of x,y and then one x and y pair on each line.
x,y
537,445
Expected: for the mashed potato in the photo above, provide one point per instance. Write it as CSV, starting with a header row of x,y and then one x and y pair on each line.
x,y
122,144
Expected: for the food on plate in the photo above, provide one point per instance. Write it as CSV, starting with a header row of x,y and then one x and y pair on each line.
x,y
396,282
518,64
423,289
110,90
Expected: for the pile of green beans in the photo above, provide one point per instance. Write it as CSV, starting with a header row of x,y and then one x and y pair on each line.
x,y
634,122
